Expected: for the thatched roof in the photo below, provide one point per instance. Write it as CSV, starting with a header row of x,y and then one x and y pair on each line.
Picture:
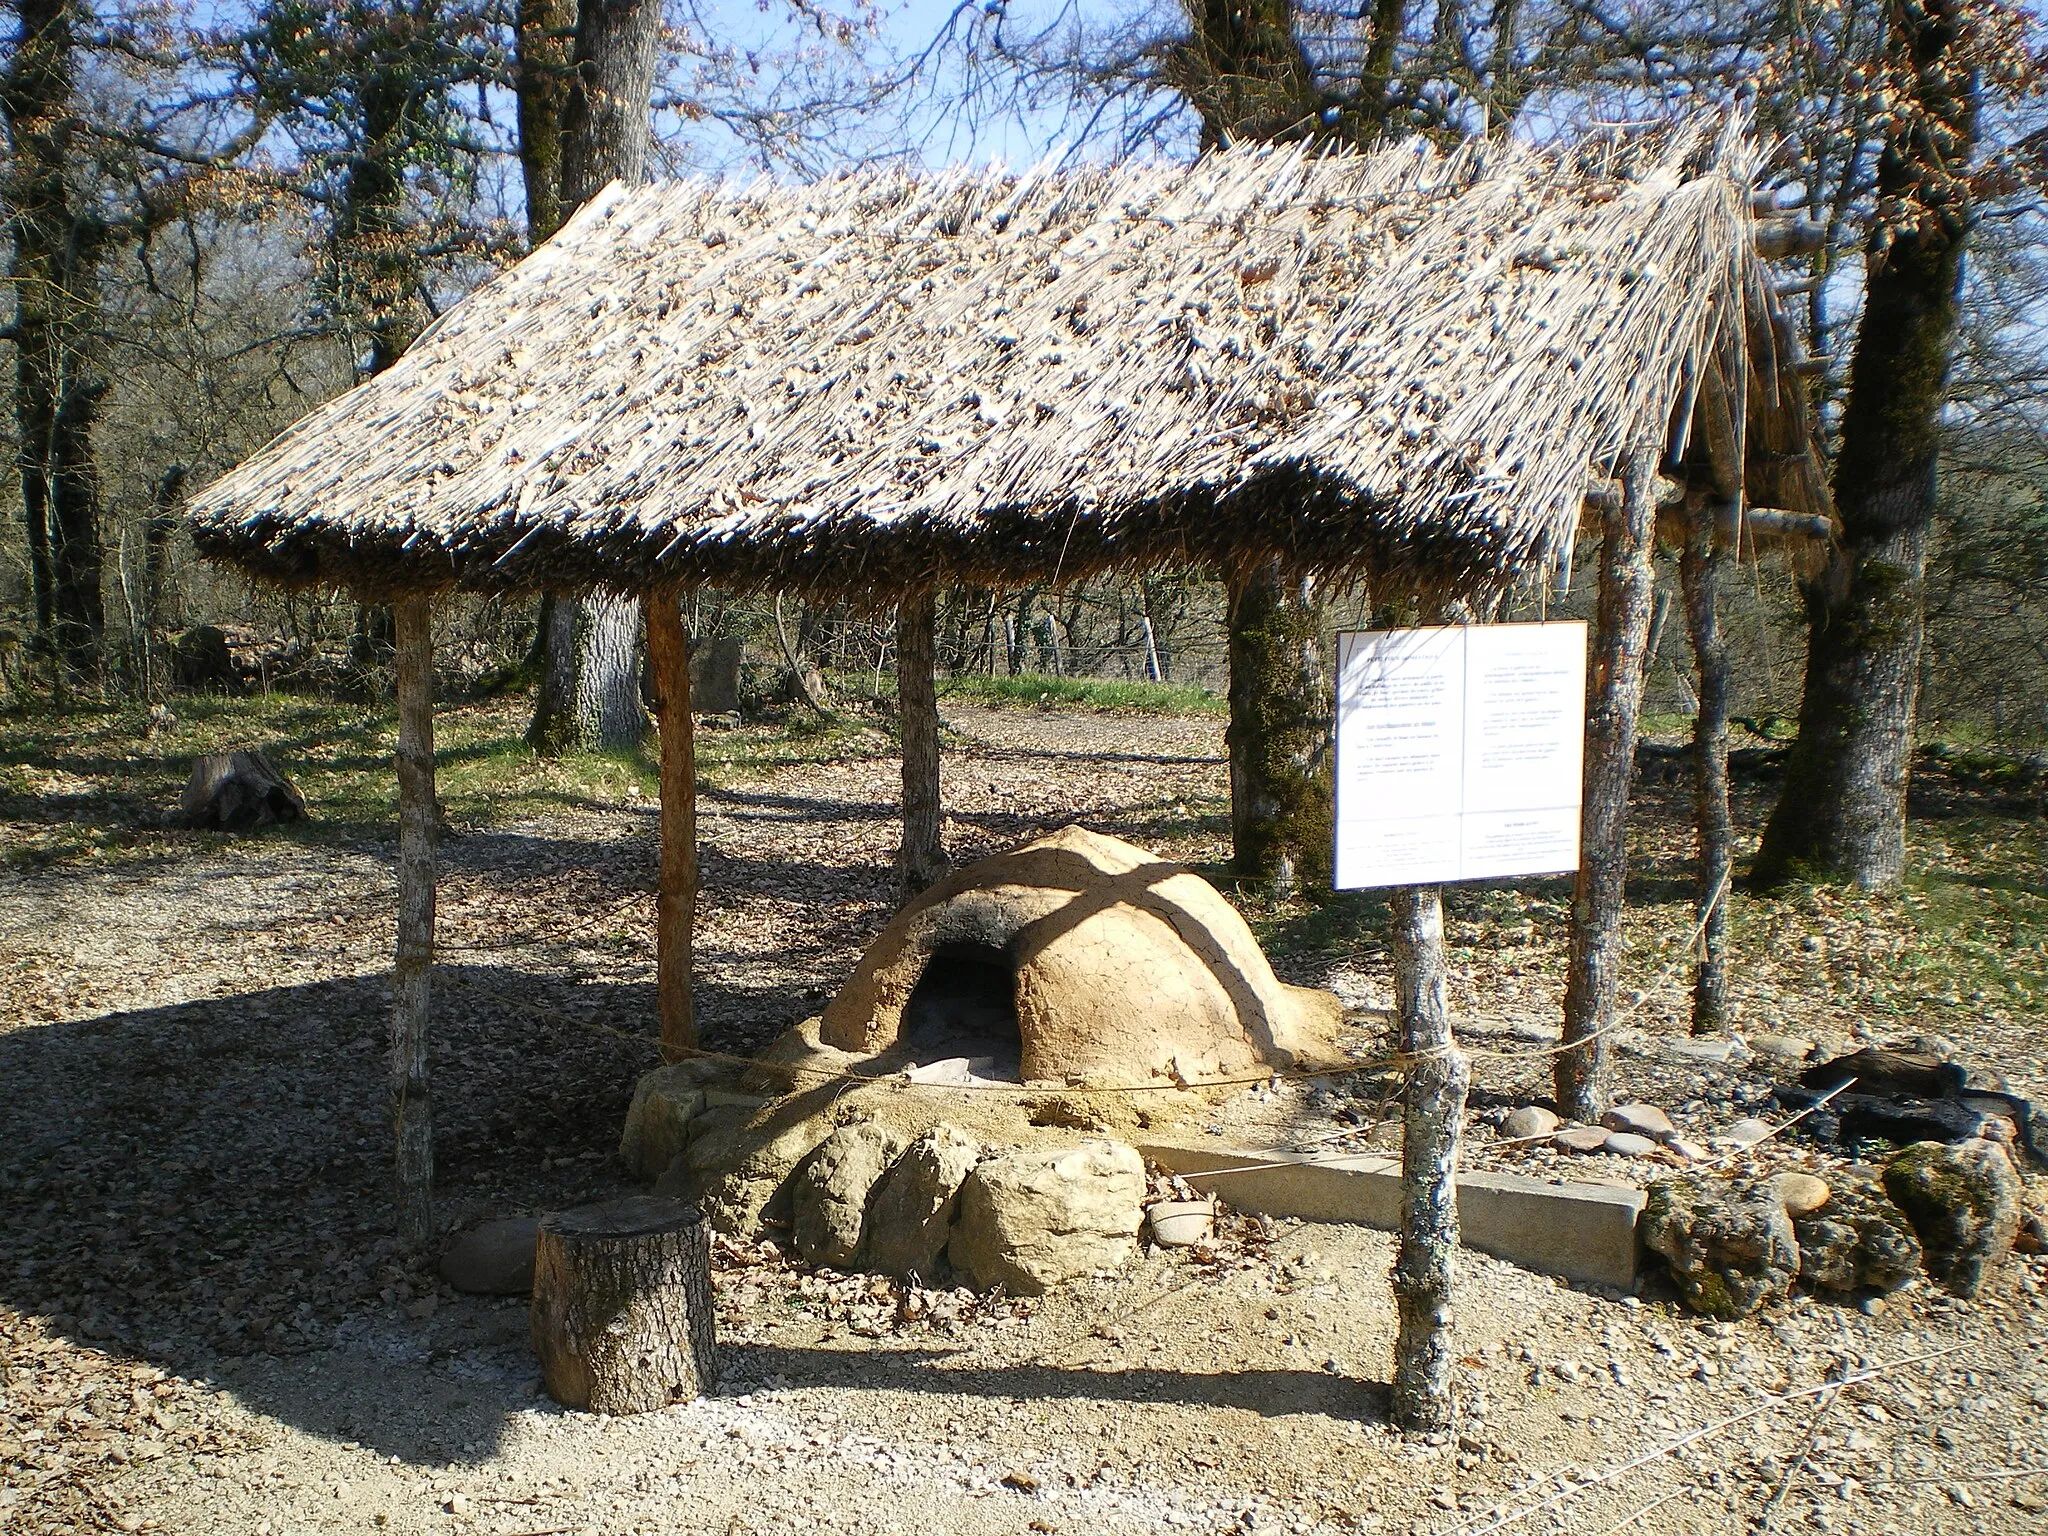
x,y
1407,365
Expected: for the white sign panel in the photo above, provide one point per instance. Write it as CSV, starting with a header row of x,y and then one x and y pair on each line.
x,y
1459,753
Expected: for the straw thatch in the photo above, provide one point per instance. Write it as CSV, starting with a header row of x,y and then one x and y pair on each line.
x,y
1407,365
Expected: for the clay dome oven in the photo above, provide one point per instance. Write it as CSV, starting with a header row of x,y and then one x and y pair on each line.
x,y
1079,960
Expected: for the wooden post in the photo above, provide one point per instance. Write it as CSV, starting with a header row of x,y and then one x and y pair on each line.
x,y
921,860
1433,1113
412,1105
622,1309
675,906
1699,571
1614,692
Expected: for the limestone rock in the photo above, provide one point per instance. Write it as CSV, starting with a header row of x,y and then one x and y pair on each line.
x,y
1781,1047
737,1168
1731,1248
1746,1132
1628,1144
1529,1120
911,1217
1800,1193
493,1259
1581,1138
1639,1120
658,1123
1029,1220
829,1201
1964,1204
1857,1241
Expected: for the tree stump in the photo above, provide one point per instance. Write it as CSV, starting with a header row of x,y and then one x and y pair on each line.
x,y
236,791
622,1312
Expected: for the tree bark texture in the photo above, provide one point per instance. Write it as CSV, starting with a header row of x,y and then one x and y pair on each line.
x,y
546,44
1614,691
1279,733
605,126
55,246
608,713
552,730
623,1318
412,1104
675,910
921,860
1433,1111
1842,812
1699,573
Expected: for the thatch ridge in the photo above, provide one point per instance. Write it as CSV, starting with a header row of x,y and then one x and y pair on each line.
x,y
1407,365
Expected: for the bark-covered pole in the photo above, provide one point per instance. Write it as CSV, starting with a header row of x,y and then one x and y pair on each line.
x,y
1614,694
1699,572
675,907
922,859
1433,1111
412,1105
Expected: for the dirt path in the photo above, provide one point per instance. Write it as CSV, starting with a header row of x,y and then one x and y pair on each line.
x,y
203,1327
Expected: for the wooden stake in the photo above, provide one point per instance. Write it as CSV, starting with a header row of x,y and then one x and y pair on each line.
x,y
675,909
1699,570
1433,1112
412,1105
1614,694
921,861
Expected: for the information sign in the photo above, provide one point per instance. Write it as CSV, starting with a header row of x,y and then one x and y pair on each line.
x,y
1459,753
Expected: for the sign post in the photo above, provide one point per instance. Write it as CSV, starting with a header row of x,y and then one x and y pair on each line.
x,y
1459,753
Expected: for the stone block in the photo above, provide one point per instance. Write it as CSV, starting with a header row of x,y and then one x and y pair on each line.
x,y
1583,1232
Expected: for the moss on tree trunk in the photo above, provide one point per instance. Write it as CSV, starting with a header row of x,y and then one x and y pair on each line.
x,y
1279,735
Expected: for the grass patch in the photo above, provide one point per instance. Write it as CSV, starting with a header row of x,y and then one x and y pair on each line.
x,y
88,782
1042,692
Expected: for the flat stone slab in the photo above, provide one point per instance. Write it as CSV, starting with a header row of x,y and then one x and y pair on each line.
x,y
1583,1232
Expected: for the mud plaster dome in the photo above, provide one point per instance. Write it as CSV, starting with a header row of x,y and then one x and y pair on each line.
x,y
1080,960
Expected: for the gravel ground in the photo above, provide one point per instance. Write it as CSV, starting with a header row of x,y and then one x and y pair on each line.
x,y
203,1327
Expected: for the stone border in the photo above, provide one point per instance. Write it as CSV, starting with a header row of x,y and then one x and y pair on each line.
x,y
1582,1232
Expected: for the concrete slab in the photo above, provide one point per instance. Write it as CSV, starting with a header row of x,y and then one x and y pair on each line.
x,y
1583,1232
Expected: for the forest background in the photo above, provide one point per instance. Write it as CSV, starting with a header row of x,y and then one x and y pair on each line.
x,y
265,202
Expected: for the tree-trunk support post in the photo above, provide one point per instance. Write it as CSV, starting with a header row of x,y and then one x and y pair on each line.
x,y
668,656
412,1106
921,860
1433,1111
1699,570
1614,691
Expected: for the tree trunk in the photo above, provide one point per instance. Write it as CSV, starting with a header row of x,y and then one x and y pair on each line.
x,y
1842,812
623,1319
605,123
546,44
1433,1112
921,860
412,1105
608,713
604,134
1699,571
156,564
552,731
1614,692
1279,733
54,253
675,908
